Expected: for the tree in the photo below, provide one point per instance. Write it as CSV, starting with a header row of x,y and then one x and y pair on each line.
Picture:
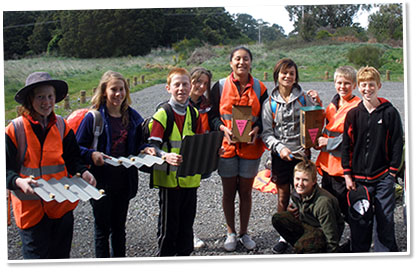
x,y
43,31
386,23
307,19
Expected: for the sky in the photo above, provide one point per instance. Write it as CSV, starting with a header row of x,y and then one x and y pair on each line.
x,y
277,14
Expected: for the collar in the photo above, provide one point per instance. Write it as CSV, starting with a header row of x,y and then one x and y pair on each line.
x,y
52,119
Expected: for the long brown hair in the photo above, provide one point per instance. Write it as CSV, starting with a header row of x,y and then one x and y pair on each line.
x,y
99,98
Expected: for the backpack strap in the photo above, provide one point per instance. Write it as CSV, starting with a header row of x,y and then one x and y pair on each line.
x,y
273,105
20,139
256,87
302,100
97,127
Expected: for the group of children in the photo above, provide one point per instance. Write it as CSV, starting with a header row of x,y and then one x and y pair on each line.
x,y
361,145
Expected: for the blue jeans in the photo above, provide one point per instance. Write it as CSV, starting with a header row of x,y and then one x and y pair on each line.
x,y
49,239
382,194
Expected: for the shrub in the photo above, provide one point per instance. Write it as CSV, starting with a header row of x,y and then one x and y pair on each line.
x,y
365,55
322,35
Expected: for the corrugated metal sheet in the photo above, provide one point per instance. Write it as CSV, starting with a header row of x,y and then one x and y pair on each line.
x,y
137,161
200,153
71,189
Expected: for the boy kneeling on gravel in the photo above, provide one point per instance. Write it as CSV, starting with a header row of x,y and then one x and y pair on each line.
x,y
178,195
313,222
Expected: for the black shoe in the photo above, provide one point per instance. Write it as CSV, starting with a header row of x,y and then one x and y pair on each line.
x,y
280,247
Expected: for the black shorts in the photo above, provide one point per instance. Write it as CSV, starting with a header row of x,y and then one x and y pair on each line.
x,y
282,170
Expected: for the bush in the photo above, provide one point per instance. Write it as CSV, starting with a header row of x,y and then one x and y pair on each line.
x,y
365,55
322,35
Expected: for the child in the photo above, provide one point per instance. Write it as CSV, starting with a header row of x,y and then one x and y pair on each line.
x,y
178,195
371,155
41,145
281,130
329,160
238,166
313,222
121,136
199,98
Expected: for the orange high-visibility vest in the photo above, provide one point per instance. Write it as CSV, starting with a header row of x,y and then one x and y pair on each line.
x,y
330,161
44,162
230,96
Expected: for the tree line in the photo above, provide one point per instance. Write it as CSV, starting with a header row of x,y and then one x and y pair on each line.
x,y
134,32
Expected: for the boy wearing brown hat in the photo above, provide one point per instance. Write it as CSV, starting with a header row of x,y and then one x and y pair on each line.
x,y
40,145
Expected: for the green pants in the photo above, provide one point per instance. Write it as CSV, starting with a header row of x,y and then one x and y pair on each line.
x,y
303,237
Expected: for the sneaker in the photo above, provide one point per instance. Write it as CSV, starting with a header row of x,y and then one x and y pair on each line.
x,y
280,247
247,242
230,242
198,243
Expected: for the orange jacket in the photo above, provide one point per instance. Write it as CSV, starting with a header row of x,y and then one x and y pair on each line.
x,y
44,162
230,96
329,160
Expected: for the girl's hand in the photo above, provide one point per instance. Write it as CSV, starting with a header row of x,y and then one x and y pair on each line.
x,y
87,176
286,154
173,159
314,95
97,158
25,184
227,134
253,133
150,151
322,141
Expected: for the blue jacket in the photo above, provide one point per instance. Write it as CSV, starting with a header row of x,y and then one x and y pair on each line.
x,y
109,177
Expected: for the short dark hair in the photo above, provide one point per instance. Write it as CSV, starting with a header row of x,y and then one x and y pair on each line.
x,y
282,65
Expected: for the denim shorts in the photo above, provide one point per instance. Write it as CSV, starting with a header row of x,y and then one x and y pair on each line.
x,y
236,166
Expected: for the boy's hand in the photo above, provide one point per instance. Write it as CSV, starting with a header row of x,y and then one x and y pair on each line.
x,y
322,141
227,134
25,184
173,159
294,210
97,158
150,151
253,133
314,95
349,183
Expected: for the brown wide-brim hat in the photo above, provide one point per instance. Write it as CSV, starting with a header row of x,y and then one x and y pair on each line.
x,y
42,78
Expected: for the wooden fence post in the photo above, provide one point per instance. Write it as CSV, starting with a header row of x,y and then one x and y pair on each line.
x,y
142,79
67,102
387,75
135,81
265,76
82,96
326,75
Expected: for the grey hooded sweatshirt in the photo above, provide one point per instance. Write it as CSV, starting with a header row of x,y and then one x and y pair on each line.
x,y
286,129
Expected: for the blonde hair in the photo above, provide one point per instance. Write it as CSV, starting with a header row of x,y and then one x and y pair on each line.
x,y
177,71
308,167
368,73
99,98
347,72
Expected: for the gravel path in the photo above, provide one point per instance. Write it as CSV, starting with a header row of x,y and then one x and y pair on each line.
x,y
209,225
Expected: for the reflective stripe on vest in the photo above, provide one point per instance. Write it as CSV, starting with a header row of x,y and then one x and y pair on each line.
x,y
250,97
160,177
330,161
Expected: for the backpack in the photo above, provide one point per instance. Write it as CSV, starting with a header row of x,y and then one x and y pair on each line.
x,y
146,124
75,118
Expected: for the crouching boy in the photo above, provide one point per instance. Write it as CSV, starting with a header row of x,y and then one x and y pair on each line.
x,y
313,222
178,195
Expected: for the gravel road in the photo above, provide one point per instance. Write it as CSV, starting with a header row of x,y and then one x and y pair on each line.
x,y
209,225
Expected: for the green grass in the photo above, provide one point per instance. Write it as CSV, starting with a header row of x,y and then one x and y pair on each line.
x,y
84,74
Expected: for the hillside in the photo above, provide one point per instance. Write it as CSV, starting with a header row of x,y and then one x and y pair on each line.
x,y
314,60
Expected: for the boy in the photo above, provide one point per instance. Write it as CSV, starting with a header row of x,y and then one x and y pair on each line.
x,y
329,160
177,195
313,222
371,155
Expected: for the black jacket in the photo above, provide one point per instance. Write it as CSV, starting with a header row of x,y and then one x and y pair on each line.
x,y
372,144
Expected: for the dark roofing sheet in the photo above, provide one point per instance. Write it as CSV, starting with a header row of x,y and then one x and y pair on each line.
x,y
200,153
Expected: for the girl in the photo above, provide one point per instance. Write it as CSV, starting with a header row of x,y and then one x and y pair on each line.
x,y
122,136
281,131
239,163
199,94
41,145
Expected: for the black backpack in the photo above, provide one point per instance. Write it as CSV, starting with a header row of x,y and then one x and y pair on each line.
x,y
168,129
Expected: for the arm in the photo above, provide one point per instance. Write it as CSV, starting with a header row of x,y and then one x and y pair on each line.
x,y
397,143
215,121
85,137
347,149
268,131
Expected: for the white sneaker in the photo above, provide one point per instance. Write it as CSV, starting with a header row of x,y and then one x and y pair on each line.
x,y
247,242
198,243
230,242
